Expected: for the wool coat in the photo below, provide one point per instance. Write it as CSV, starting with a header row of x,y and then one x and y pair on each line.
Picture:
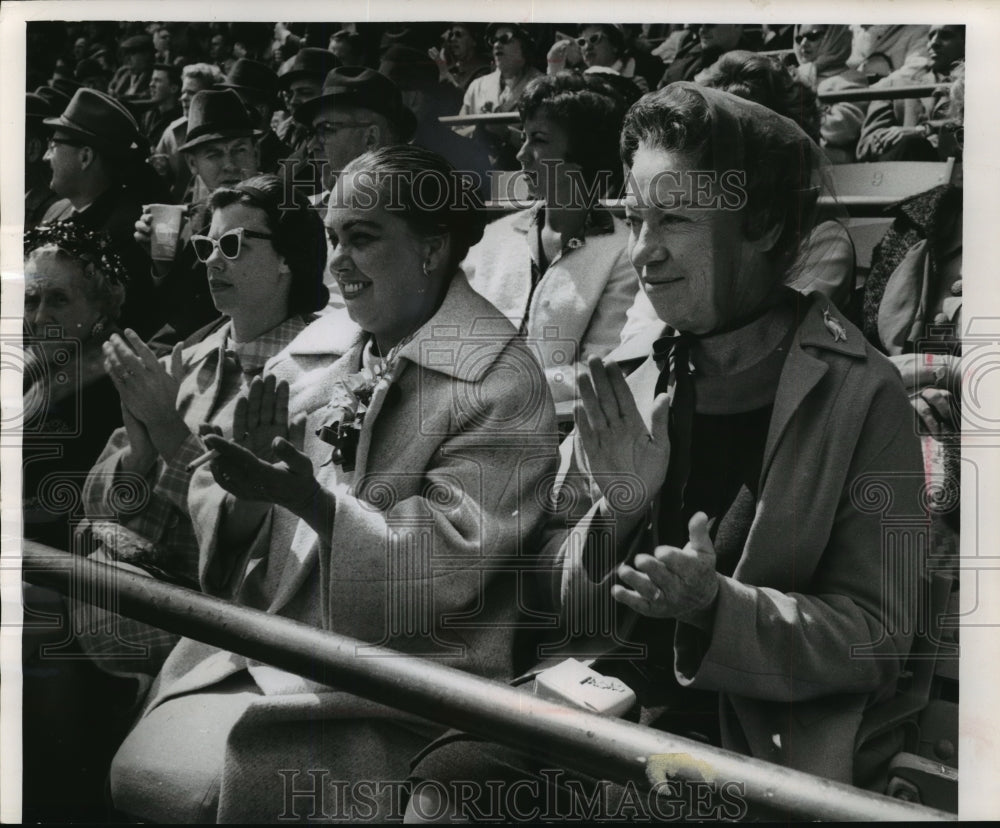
x,y
434,529
816,620
579,305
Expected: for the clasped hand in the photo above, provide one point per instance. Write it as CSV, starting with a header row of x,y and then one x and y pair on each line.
x,y
263,462
672,582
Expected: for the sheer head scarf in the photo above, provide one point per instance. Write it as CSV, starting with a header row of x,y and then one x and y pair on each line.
x,y
832,51
781,171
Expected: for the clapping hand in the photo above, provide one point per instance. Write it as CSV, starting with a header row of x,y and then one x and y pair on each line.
x,y
146,389
672,582
264,462
613,435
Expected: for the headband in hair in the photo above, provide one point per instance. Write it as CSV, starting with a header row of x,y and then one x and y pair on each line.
x,y
90,247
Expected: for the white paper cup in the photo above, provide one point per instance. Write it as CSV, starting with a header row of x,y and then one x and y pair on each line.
x,y
166,230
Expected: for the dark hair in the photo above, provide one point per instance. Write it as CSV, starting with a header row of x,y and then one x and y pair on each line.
x,y
766,80
779,173
431,196
591,111
173,72
299,235
613,32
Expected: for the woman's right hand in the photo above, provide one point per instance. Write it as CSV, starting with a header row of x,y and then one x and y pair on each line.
x,y
563,52
617,445
143,234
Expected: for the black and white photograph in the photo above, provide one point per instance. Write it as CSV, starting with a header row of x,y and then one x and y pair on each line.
x,y
409,418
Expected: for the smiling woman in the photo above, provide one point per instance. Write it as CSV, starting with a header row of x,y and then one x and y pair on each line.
x,y
405,493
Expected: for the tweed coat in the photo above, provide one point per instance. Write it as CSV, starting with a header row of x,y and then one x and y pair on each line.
x,y
433,526
816,621
578,307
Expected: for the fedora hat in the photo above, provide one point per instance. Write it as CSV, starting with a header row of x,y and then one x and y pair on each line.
x,y
362,87
65,85
310,62
36,107
58,101
252,76
137,43
217,116
101,121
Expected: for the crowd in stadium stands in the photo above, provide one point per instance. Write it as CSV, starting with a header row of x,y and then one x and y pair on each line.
x,y
207,220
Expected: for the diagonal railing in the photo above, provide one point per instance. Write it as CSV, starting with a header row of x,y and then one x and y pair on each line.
x,y
602,747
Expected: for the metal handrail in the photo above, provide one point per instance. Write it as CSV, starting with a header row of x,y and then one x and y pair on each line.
x,y
885,93
584,742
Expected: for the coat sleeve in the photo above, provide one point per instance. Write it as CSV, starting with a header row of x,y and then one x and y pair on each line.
x,y
604,331
481,498
881,115
850,630
840,123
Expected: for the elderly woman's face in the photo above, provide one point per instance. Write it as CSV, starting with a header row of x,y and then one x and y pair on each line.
x,y
377,261
55,296
598,50
692,260
256,278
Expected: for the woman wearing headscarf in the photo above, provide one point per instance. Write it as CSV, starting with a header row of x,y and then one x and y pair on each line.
x,y
394,507
750,555
822,52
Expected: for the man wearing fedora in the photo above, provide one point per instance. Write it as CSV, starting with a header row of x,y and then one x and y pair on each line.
x,y
220,151
358,110
164,100
38,196
131,81
97,157
257,86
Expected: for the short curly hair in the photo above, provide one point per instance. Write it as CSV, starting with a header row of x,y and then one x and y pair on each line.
x,y
591,111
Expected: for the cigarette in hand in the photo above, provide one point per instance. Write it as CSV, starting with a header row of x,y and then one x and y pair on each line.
x,y
207,457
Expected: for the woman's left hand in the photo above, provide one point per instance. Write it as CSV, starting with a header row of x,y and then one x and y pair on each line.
x,y
288,481
936,412
145,387
672,582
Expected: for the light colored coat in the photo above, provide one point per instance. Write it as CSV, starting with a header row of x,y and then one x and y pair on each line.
x,y
578,307
907,112
451,458
816,620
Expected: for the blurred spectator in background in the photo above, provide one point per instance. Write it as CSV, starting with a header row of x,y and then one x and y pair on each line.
x,y
38,196
300,81
257,86
501,90
460,59
348,47
220,51
162,42
776,38
600,47
91,74
166,158
822,52
881,50
905,129
97,156
81,46
221,151
713,40
418,79
164,98
131,81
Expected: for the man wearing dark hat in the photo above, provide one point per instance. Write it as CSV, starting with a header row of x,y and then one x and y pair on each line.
x,y
257,86
359,110
220,151
131,81
38,196
95,150
91,73
164,99
300,81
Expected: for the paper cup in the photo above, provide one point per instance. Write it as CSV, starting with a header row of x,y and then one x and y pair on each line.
x,y
166,230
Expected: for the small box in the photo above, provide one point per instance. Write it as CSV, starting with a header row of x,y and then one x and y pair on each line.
x,y
574,683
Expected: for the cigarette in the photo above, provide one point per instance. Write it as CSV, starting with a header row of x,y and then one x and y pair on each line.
x,y
207,457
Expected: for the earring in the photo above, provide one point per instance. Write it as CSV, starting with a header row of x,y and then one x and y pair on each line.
x,y
427,269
